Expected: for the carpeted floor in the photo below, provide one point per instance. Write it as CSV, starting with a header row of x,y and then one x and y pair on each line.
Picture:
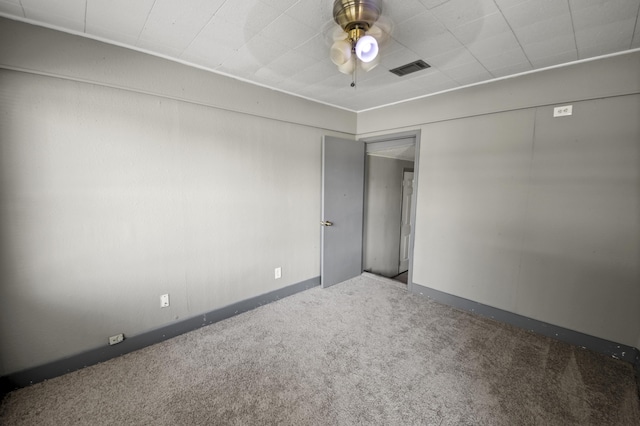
x,y
362,352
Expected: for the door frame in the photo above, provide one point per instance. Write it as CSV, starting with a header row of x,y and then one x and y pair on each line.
x,y
392,140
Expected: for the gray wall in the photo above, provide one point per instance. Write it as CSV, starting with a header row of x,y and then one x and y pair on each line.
x,y
532,214
383,207
154,178
124,176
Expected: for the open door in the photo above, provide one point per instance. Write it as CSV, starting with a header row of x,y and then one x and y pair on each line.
x,y
405,225
342,210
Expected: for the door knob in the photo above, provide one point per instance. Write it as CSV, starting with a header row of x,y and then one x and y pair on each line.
x,y
326,223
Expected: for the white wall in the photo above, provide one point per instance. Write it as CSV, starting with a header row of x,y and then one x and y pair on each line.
x,y
527,213
175,181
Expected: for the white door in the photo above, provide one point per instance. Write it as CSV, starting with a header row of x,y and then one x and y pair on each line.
x,y
342,210
405,226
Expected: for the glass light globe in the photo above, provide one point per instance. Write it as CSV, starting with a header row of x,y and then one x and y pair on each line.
x,y
367,48
340,52
348,67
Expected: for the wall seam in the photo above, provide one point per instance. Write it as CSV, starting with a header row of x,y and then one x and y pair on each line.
x,y
525,219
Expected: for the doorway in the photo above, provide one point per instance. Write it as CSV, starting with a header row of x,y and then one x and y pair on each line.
x,y
344,238
389,207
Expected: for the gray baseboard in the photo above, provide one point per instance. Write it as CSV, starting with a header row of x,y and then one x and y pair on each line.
x,y
58,368
596,344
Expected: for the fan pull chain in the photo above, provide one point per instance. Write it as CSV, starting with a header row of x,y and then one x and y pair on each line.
x,y
353,81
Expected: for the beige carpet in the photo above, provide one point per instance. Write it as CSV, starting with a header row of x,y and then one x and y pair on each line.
x,y
362,352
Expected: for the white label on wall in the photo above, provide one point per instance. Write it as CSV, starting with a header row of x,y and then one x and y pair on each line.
x,y
563,111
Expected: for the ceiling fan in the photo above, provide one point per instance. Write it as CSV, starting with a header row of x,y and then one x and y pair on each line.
x,y
356,43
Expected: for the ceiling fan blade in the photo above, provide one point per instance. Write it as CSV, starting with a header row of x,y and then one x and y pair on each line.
x,y
368,66
382,29
337,33
376,32
331,32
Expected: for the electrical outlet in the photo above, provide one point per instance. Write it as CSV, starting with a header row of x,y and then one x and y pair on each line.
x,y
114,340
563,111
164,301
278,273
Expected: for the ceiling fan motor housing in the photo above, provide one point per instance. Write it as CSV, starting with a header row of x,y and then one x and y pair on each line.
x,y
356,14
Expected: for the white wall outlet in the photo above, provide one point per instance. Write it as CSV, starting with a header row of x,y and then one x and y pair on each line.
x,y
563,111
278,273
164,301
114,340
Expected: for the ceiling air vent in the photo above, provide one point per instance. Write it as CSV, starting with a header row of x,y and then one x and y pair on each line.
x,y
403,70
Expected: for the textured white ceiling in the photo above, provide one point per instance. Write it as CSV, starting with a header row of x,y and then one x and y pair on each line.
x,y
284,44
